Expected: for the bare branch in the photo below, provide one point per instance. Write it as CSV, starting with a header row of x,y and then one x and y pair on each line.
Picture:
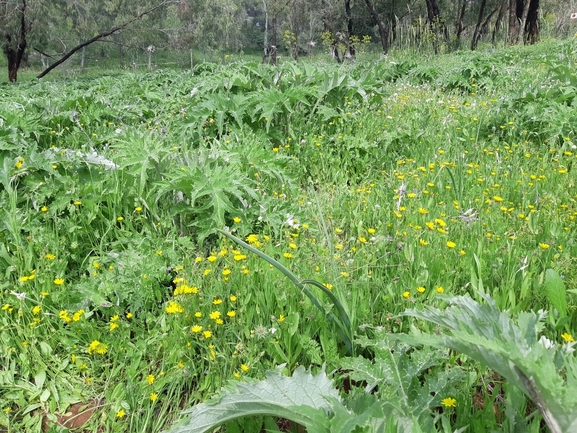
x,y
100,36
44,54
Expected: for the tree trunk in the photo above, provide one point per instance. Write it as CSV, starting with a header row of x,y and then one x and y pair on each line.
x,y
349,28
311,42
336,53
459,26
274,46
532,26
432,18
14,56
477,33
499,21
523,20
14,49
485,24
512,20
436,23
265,51
382,26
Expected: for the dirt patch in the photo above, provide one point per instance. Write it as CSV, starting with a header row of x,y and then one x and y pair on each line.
x,y
75,417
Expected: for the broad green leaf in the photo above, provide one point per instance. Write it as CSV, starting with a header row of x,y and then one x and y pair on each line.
x,y
45,395
555,291
301,398
512,348
40,378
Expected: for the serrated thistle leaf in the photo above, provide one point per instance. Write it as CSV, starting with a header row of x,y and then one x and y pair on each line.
x,y
302,398
491,337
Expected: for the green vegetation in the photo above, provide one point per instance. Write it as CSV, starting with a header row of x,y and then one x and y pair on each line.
x,y
132,34
397,236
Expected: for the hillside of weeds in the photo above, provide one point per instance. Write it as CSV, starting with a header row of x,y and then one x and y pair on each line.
x,y
379,194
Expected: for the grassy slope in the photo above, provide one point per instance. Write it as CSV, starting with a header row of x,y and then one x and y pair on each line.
x,y
404,179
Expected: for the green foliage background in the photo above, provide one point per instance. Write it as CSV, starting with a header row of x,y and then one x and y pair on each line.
x,y
390,182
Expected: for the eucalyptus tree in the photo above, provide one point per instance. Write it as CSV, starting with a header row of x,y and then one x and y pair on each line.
x,y
37,24
24,25
215,25
81,22
487,9
332,14
523,21
384,14
274,11
350,31
145,35
301,24
436,23
382,21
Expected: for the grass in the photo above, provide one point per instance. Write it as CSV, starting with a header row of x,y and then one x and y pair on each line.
x,y
394,184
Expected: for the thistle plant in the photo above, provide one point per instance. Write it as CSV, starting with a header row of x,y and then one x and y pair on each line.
x,y
450,176
516,349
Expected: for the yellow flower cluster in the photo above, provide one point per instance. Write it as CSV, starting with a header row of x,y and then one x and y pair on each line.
x,y
184,289
97,347
63,315
174,307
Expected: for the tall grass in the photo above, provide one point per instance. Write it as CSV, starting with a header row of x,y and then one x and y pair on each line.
x,y
385,184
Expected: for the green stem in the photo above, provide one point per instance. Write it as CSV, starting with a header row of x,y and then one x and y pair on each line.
x,y
342,322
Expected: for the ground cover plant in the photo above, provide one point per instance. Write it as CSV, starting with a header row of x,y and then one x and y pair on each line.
x,y
410,226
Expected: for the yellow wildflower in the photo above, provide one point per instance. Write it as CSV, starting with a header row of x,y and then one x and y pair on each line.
x,y
449,402
97,347
174,308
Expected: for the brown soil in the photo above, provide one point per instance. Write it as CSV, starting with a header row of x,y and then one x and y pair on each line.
x,y
75,418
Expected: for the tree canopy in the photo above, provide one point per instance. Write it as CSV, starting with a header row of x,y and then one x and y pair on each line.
x,y
56,29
